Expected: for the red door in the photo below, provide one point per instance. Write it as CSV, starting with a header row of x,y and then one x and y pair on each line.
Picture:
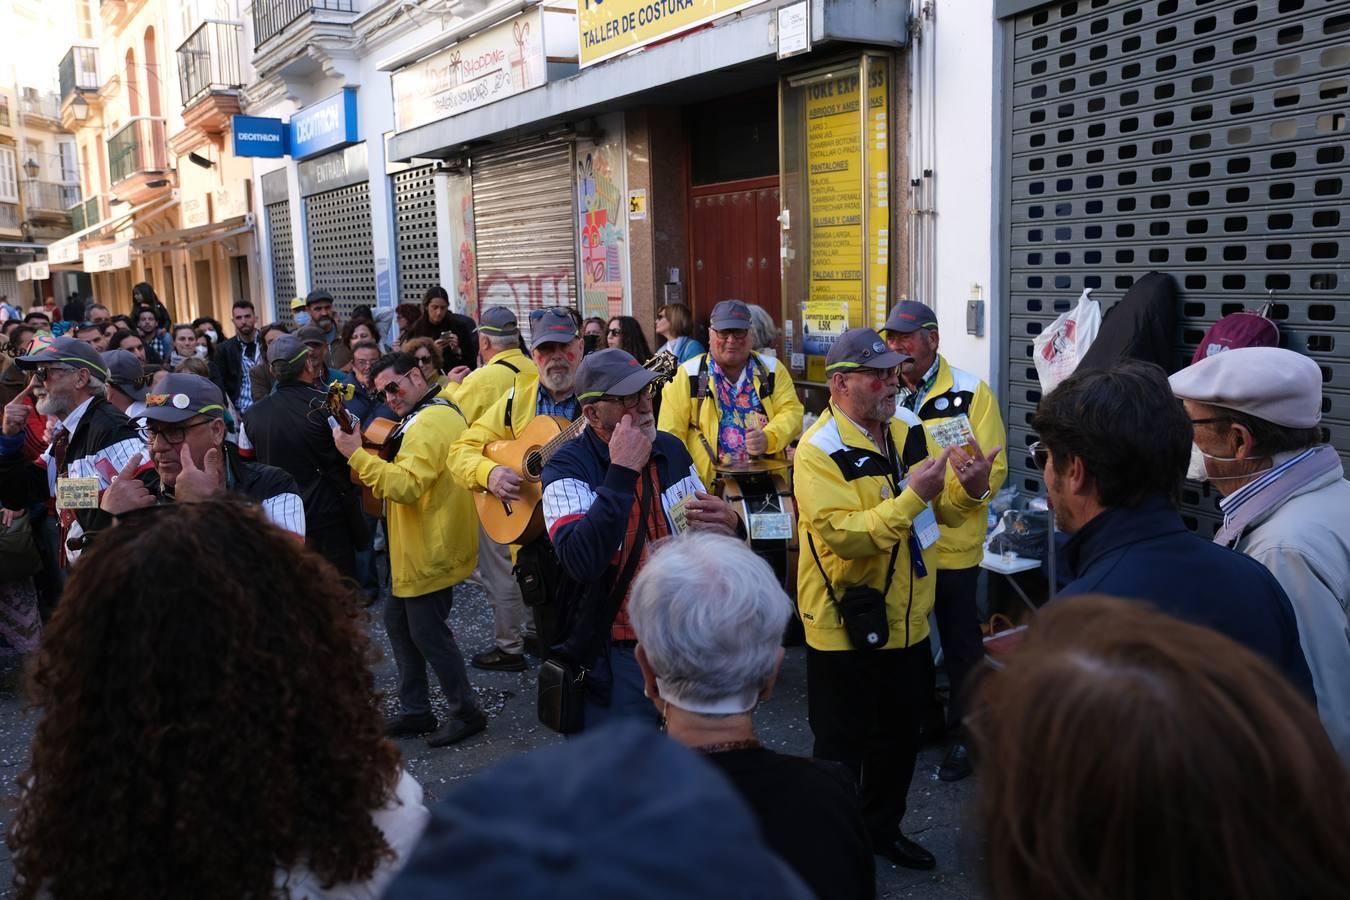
x,y
734,241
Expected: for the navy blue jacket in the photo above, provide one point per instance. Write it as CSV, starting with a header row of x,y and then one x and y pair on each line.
x,y
1147,553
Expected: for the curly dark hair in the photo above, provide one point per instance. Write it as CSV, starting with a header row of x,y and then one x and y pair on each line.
x,y
205,723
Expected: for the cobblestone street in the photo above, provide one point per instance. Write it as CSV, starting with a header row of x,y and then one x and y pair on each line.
x,y
936,818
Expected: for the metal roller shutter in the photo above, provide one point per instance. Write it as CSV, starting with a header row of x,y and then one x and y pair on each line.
x,y
1202,139
283,256
415,232
341,258
524,225
9,287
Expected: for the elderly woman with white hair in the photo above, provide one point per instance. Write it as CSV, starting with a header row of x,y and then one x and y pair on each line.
x,y
709,616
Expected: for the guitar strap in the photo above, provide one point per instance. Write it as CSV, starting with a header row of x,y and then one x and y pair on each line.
x,y
432,398
502,362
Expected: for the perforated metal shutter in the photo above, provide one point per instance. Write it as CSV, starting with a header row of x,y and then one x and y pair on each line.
x,y
341,258
524,224
1202,139
283,256
415,232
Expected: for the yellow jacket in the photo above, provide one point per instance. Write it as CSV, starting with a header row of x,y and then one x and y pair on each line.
x,y
467,462
433,534
679,407
488,383
956,391
845,506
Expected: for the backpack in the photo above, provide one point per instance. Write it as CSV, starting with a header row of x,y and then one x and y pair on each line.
x,y
1239,329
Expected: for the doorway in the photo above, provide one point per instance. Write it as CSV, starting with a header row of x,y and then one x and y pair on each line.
x,y
734,202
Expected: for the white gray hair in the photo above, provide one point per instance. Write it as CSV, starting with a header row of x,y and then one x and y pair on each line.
x,y
763,331
502,341
96,386
709,615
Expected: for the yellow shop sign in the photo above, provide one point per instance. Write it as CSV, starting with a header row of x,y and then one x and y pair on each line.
x,y
611,27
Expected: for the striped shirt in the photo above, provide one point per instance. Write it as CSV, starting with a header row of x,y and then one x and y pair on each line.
x,y
1233,502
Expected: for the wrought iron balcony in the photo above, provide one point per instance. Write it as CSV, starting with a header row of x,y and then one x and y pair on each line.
x,y
270,17
41,106
48,196
79,71
139,147
208,61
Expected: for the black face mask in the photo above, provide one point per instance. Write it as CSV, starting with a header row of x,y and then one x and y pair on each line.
x,y
592,343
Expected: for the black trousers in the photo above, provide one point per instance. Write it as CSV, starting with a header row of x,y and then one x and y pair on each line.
x,y
958,625
335,544
865,709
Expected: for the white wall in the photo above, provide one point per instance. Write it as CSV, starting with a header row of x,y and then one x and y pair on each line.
x,y
967,149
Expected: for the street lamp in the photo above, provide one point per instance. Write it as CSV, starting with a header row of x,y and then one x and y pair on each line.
x,y
79,108
30,168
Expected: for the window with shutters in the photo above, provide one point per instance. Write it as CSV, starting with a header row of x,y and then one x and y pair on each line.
x,y
9,176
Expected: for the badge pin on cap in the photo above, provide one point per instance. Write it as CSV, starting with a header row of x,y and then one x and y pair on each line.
x,y
180,401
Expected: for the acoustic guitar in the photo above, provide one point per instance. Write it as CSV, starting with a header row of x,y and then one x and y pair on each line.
x,y
373,439
521,520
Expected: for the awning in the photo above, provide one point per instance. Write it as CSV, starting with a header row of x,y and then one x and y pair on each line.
x,y
67,249
187,238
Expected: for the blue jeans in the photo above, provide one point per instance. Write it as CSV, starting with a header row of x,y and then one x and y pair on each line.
x,y
626,700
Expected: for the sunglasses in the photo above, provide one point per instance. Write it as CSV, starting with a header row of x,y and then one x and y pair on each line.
x,y
1040,454
614,332
537,314
392,387
140,382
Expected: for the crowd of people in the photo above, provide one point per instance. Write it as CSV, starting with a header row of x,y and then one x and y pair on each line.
x,y
578,478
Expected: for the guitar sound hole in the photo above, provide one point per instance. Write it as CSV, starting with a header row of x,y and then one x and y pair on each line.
x,y
534,465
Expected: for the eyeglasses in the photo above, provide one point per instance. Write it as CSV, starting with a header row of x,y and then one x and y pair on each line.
x,y
42,373
392,388
730,334
174,434
1040,454
632,401
1210,421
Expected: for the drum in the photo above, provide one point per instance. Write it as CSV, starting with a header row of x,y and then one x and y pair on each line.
x,y
761,492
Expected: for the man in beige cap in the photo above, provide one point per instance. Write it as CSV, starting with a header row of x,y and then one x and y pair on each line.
x,y
1285,501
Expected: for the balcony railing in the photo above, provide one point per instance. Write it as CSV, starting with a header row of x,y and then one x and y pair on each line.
x,y
79,71
271,16
139,147
47,106
209,60
4,113
49,196
86,213
9,215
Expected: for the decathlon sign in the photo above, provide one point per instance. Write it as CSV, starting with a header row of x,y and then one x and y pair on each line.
x,y
258,136
325,125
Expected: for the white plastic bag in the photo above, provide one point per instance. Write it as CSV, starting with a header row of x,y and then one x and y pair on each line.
x,y
1059,347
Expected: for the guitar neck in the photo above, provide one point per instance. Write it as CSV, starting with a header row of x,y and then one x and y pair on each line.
x,y
555,444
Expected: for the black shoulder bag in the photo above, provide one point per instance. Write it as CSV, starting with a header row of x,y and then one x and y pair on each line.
x,y
562,685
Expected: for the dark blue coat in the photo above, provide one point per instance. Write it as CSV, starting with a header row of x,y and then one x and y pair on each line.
x,y
1147,553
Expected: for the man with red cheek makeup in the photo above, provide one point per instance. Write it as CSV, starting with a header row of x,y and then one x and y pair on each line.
x,y
871,487
943,396
556,348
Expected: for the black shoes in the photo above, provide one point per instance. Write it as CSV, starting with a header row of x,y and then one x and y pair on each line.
x,y
498,660
956,764
408,726
456,730
907,854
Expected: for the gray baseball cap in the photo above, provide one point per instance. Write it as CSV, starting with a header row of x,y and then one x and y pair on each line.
x,y
126,373
317,295
311,334
910,315
178,398
610,372
729,315
287,353
65,351
551,326
498,321
860,348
